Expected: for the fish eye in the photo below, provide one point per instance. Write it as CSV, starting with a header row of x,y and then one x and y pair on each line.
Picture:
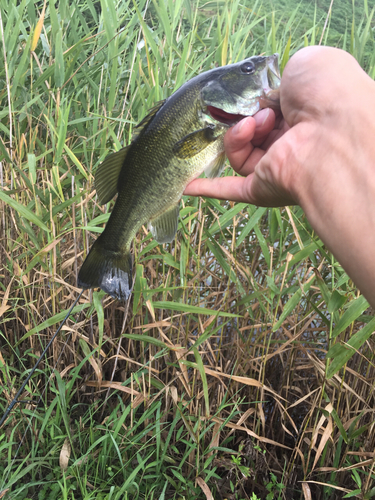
x,y
247,68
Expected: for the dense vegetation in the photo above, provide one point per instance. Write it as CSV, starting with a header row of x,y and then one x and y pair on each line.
x,y
339,14
243,365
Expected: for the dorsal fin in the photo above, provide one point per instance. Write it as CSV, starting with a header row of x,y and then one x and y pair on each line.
x,y
107,174
147,119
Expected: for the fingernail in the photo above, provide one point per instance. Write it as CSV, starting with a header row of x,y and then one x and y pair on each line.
x,y
237,128
261,117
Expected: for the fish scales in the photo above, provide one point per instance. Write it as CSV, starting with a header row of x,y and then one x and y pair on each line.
x,y
141,200
179,139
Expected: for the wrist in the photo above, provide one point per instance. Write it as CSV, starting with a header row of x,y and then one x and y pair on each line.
x,y
337,191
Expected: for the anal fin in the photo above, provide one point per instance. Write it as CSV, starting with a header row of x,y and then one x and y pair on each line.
x,y
164,227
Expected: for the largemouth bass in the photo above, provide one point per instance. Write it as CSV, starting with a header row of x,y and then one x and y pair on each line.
x,y
180,138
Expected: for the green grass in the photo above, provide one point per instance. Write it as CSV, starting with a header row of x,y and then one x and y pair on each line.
x,y
244,363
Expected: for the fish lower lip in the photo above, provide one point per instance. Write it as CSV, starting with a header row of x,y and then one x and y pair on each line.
x,y
271,99
222,116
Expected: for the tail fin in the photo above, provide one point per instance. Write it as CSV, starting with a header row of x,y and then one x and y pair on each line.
x,y
108,270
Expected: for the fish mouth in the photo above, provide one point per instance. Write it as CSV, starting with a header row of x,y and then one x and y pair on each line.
x,y
223,117
246,101
271,85
269,99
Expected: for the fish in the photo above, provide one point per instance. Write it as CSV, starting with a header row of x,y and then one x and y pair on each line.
x,y
180,137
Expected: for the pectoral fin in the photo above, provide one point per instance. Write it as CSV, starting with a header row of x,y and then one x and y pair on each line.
x,y
164,227
194,143
215,168
107,174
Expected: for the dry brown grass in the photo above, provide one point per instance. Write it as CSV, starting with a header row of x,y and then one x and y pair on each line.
x,y
275,380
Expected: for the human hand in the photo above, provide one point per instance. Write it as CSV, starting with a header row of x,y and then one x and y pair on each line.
x,y
245,144
316,84
320,154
